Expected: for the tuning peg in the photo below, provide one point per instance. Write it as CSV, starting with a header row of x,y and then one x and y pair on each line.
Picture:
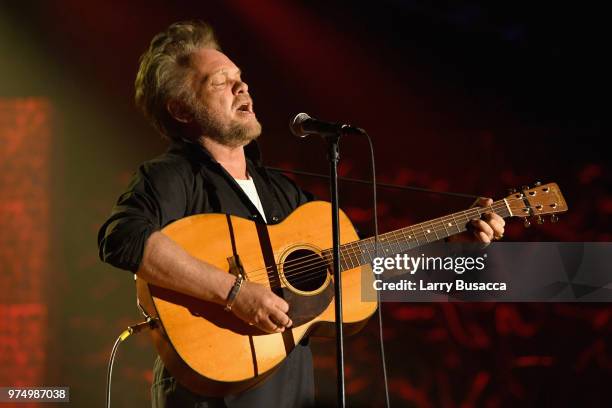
x,y
537,184
525,188
511,191
554,218
527,223
539,219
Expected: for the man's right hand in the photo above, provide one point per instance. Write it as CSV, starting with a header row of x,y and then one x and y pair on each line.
x,y
167,265
260,307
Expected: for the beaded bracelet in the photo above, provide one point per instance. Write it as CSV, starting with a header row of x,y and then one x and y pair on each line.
x,y
233,293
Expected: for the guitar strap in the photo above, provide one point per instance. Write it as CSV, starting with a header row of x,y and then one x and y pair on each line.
x,y
230,227
273,276
237,263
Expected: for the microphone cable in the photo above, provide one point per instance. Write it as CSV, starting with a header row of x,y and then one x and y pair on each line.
x,y
136,328
301,126
365,182
380,317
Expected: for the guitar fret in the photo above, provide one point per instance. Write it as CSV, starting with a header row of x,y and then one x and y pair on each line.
x,y
389,242
397,237
424,233
351,258
416,238
355,254
371,252
346,257
467,219
406,240
365,253
435,230
343,265
456,224
343,261
383,243
445,229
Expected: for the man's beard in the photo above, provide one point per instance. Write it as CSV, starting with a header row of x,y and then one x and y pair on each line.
x,y
234,134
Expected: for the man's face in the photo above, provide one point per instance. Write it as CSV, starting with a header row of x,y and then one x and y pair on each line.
x,y
223,108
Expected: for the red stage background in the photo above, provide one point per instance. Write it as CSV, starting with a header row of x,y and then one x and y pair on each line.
x,y
465,97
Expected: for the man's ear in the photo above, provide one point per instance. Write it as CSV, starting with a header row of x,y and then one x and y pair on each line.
x,y
179,111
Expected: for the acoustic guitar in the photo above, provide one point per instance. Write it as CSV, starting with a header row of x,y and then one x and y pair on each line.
x,y
212,352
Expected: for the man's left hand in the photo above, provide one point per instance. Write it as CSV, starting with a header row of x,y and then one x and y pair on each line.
x,y
488,228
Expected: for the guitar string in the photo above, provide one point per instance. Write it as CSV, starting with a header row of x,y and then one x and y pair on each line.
x,y
349,249
316,261
350,255
319,262
353,250
309,274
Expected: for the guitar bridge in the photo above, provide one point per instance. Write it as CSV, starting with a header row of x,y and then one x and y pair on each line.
x,y
235,266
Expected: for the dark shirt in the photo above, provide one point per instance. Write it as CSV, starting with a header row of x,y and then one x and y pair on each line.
x,y
185,181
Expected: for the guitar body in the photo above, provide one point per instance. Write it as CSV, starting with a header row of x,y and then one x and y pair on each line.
x,y
212,352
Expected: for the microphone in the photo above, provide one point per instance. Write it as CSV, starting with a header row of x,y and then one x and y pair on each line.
x,y
303,125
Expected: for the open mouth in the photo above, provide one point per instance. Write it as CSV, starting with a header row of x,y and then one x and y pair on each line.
x,y
245,107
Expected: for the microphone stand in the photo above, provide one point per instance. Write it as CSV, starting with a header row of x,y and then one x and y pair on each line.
x,y
301,126
334,157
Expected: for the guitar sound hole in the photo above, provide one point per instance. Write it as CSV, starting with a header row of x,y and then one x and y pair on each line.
x,y
305,270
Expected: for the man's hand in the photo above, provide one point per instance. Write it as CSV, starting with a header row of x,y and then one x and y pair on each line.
x,y
260,307
490,227
167,265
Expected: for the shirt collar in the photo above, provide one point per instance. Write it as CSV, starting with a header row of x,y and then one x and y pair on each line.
x,y
251,151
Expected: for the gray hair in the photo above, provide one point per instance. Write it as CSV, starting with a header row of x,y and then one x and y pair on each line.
x,y
164,71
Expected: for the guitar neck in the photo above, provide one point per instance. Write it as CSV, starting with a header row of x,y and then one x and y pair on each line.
x,y
363,252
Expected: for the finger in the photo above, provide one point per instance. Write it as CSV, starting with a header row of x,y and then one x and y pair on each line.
x,y
498,229
486,202
284,323
482,202
482,237
480,226
497,224
494,220
270,326
282,305
491,216
280,318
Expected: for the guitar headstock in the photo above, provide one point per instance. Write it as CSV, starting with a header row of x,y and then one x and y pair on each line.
x,y
537,201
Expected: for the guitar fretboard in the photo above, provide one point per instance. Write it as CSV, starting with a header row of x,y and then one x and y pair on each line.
x,y
357,253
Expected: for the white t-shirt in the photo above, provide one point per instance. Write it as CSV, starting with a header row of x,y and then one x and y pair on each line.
x,y
248,186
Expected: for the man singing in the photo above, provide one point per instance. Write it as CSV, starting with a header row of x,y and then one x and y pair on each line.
x,y
194,95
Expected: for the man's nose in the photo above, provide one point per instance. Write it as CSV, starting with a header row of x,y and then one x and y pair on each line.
x,y
240,87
